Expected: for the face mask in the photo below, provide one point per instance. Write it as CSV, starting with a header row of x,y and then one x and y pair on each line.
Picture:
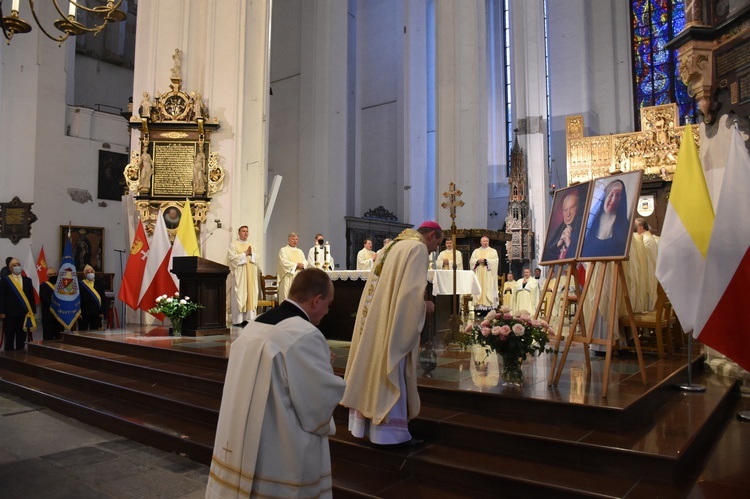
x,y
320,242
90,277
17,270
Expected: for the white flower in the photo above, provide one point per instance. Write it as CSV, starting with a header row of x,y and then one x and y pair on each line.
x,y
187,298
169,300
183,302
177,293
158,299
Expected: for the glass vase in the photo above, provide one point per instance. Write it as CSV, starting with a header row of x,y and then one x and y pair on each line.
x,y
512,371
483,366
176,326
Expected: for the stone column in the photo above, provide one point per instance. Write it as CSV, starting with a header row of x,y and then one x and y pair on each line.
x,y
461,54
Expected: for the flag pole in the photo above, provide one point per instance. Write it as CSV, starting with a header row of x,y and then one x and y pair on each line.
x,y
690,386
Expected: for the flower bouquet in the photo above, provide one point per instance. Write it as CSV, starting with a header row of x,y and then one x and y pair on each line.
x,y
513,337
175,308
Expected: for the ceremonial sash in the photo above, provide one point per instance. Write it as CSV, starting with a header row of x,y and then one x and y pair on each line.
x,y
89,286
29,322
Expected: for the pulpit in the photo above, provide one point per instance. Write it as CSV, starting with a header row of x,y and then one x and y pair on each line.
x,y
204,281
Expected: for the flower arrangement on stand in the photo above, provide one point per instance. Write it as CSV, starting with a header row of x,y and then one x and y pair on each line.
x,y
513,337
176,309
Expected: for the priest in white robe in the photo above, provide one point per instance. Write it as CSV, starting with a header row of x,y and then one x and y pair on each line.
x,y
243,263
485,262
445,257
381,371
291,261
527,294
279,395
366,256
509,287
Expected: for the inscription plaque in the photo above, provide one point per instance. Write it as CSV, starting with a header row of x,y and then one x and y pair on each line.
x,y
16,219
173,169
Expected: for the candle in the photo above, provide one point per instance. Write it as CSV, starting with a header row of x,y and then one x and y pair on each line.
x,y
72,10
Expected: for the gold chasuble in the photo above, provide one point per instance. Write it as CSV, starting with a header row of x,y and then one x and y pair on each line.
x,y
389,321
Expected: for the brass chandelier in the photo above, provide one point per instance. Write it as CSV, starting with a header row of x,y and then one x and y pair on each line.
x,y
67,24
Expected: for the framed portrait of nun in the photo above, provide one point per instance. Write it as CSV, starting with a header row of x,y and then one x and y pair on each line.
x,y
609,217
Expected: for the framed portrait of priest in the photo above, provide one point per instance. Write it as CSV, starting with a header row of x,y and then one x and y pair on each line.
x,y
609,217
565,224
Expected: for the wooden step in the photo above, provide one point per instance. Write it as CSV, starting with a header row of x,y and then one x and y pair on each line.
x,y
194,378
178,401
143,424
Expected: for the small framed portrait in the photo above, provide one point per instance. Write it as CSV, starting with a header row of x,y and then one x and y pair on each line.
x,y
609,217
87,244
172,215
565,224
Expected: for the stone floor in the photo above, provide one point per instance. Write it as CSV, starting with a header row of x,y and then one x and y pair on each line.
x,y
46,455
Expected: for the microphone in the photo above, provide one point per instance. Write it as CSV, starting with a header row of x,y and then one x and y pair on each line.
x,y
200,246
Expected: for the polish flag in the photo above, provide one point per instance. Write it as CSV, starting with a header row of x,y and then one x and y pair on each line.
x,y
132,278
157,280
724,294
29,270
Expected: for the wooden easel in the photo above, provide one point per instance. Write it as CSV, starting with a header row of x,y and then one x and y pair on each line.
x,y
618,283
570,273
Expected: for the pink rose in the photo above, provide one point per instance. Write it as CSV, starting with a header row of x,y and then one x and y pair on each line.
x,y
491,315
535,323
504,330
505,309
518,329
485,323
468,327
486,331
507,317
496,330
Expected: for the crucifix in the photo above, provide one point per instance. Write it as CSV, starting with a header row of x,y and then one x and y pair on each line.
x,y
452,195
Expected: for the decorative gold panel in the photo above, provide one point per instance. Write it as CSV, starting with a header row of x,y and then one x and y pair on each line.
x,y
653,150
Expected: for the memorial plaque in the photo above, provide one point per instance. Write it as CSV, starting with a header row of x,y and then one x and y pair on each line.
x,y
732,70
173,169
16,219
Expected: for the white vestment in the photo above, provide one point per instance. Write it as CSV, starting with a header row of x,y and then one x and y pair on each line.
x,y
526,296
381,371
288,259
364,259
486,275
244,281
448,255
508,289
276,414
320,257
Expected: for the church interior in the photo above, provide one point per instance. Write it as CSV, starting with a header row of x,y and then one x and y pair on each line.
x,y
354,120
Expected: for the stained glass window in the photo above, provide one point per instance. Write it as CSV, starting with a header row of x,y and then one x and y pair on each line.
x,y
655,68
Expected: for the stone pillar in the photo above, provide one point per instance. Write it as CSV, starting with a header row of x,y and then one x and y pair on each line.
x,y
531,108
461,54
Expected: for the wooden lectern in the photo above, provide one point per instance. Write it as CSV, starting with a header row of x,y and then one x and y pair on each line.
x,y
205,282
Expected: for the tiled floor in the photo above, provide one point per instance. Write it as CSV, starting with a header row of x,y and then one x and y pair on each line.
x,y
46,455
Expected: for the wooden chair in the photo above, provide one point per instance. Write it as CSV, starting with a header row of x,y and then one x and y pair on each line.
x,y
661,319
269,293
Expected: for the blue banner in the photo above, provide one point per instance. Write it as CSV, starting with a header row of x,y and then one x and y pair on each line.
x,y
66,302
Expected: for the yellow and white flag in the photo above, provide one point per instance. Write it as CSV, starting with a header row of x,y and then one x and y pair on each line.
x,y
685,234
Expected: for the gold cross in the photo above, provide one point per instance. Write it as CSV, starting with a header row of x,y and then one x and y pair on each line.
x,y
452,194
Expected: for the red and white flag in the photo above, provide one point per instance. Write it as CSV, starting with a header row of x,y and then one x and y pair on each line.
x,y
132,278
29,270
724,294
41,267
157,280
